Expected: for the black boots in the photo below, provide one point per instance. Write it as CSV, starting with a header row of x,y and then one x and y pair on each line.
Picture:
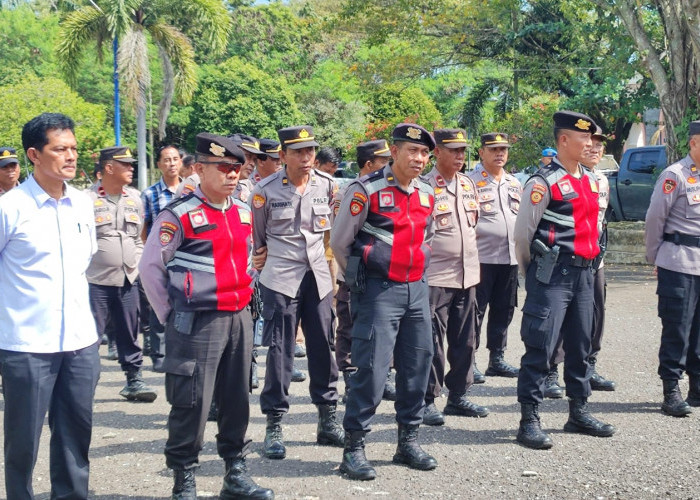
x,y
184,487
673,401
346,380
598,382
389,393
530,433
459,404
431,415
274,445
694,391
479,377
136,389
580,420
498,366
409,451
552,389
238,484
355,463
329,430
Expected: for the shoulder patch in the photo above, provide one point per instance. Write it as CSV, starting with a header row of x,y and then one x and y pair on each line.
x,y
669,186
258,200
167,230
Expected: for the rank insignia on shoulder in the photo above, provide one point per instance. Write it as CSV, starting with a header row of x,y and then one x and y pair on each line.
x,y
424,199
360,197
669,186
258,201
484,174
439,180
198,218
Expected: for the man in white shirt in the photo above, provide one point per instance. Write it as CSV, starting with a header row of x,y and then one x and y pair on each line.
x,y
48,343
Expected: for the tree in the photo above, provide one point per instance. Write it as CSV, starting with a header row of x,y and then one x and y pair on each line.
x,y
394,103
133,22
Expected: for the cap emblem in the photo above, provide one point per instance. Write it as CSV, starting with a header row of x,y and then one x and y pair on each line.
x,y
217,150
413,133
303,133
582,124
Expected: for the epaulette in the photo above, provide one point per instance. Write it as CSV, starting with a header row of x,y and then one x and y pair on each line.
x,y
267,180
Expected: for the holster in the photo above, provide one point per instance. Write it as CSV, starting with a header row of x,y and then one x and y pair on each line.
x,y
545,258
355,274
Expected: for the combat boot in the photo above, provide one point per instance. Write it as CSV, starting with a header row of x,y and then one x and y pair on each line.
x,y
389,393
431,415
274,444
552,389
184,487
298,375
498,366
479,377
355,463
581,420
409,451
694,391
598,382
530,433
329,430
136,389
673,401
346,381
459,404
238,484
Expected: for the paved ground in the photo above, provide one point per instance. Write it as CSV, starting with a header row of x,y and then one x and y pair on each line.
x,y
651,456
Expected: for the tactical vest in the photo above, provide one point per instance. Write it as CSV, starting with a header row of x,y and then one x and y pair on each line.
x,y
209,270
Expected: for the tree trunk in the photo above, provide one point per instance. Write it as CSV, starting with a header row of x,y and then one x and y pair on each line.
x,y
141,147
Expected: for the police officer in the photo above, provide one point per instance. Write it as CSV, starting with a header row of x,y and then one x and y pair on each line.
x,y
196,272
673,246
268,160
383,230
453,275
9,169
114,295
499,202
371,156
556,240
291,212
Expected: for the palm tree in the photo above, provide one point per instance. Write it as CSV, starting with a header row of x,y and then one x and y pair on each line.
x,y
134,23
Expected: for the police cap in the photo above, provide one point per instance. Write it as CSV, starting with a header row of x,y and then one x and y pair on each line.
x,y
410,132
119,153
570,120
495,140
218,145
298,137
270,147
247,143
694,128
371,149
7,156
451,138
598,134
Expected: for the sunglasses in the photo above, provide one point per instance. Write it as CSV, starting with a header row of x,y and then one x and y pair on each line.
x,y
224,167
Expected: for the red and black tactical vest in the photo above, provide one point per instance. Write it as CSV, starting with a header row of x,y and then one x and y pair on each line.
x,y
209,271
571,218
392,239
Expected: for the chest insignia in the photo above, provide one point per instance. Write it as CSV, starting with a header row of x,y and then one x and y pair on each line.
x,y
198,218
424,199
481,183
386,199
565,186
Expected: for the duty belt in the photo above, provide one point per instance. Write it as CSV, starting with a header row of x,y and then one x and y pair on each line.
x,y
574,260
682,239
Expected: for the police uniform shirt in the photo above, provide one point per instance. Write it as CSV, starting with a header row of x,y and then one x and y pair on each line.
x,y
243,190
499,203
674,207
292,226
454,261
603,197
118,229
188,185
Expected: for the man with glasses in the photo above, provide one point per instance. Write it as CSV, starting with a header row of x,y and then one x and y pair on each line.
x,y
113,270
197,274
9,169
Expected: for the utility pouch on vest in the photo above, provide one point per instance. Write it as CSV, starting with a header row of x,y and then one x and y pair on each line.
x,y
546,259
184,321
355,274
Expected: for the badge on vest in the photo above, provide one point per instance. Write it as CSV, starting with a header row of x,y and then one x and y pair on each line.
x,y
198,218
244,215
424,199
386,199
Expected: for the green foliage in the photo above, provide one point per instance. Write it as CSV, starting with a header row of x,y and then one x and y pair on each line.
x,y
235,96
392,104
23,101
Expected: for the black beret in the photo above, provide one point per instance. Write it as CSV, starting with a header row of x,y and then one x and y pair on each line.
x,y
297,137
451,138
247,143
7,156
570,120
694,128
410,132
218,145
270,147
379,148
119,153
495,140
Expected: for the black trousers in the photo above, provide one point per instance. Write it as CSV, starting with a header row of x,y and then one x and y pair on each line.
x,y
599,294
679,310
281,316
562,307
63,384
453,313
343,331
497,290
389,318
119,306
212,361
